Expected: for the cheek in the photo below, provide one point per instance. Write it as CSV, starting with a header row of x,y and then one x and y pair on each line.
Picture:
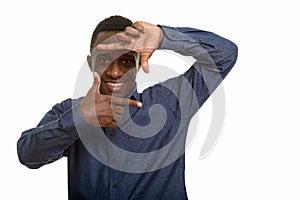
x,y
100,71
131,73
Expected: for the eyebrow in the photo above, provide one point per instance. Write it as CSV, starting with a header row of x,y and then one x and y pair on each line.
x,y
127,55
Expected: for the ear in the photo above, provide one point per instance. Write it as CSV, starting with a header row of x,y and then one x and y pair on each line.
x,y
89,61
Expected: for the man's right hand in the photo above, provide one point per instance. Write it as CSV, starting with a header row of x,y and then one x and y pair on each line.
x,y
103,110
141,37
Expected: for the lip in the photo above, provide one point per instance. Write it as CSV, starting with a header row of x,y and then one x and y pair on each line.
x,y
114,86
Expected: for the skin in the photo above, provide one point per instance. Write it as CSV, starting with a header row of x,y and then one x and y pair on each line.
x,y
104,103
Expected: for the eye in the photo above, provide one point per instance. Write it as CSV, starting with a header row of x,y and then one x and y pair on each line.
x,y
127,61
103,61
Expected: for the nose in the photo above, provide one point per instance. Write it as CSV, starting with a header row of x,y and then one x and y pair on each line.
x,y
114,70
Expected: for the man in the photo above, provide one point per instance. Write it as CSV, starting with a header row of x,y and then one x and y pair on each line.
x,y
122,144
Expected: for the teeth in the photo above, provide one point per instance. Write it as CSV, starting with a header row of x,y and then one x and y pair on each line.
x,y
114,84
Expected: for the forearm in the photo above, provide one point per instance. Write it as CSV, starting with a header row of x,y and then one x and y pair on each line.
x,y
211,50
50,139
215,56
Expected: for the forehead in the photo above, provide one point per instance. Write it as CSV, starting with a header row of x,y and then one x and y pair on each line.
x,y
105,37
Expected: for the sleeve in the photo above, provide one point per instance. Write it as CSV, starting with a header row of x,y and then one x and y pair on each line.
x,y
215,57
50,140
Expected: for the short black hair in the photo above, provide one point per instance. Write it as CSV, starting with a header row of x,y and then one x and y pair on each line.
x,y
112,23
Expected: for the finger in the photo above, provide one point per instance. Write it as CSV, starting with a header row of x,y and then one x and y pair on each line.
x,y
104,112
126,102
125,37
133,31
107,121
118,109
139,25
117,117
97,82
144,61
113,46
111,124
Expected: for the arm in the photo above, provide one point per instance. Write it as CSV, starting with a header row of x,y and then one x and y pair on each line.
x,y
57,131
215,56
52,137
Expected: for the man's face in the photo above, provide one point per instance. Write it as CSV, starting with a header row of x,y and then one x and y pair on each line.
x,y
117,69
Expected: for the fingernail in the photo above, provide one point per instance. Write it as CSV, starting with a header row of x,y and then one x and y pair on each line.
x,y
139,104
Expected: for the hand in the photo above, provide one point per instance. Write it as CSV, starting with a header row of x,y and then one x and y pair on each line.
x,y
142,37
103,110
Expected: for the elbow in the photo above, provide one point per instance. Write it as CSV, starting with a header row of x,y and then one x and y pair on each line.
x,y
229,57
234,53
27,163
25,155
229,52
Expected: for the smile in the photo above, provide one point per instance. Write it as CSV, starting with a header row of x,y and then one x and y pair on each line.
x,y
114,84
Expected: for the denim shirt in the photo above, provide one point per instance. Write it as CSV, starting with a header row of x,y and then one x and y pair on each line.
x,y
143,158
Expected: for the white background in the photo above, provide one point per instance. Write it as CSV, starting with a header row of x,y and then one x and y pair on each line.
x,y
43,45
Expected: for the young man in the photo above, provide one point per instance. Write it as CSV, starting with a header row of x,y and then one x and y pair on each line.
x,y
122,144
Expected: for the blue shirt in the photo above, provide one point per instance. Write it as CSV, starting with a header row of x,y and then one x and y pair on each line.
x,y
143,158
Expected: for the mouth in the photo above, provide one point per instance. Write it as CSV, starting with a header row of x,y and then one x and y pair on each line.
x,y
114,86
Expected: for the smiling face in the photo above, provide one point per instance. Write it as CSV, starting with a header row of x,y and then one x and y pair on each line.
x,y
117,69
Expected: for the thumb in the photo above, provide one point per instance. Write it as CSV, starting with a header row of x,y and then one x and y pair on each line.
x,y
97,82
144,61
139,25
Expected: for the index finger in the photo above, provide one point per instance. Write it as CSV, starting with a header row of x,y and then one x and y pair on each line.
x,y
112,46
133,31
125,102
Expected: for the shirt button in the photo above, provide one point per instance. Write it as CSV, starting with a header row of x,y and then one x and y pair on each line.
x,y
115,186
111,134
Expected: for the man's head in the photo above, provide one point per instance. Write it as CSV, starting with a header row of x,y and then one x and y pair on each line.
x,y
117,69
